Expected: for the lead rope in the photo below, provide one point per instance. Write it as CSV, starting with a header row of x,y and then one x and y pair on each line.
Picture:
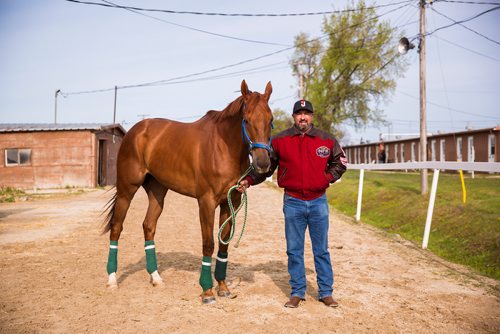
x,y
244,202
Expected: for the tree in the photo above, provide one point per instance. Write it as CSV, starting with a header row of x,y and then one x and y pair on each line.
x,y
282,120
305,60
356,72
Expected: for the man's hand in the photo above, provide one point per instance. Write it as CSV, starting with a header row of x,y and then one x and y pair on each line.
x,y
242,186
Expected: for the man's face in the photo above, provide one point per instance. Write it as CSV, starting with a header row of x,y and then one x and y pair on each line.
x,y
303,120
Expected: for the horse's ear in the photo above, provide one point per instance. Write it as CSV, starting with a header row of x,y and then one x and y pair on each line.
x,y
244,88
269,90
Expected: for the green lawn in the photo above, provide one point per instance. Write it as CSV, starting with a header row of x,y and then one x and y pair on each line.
x,y
467,233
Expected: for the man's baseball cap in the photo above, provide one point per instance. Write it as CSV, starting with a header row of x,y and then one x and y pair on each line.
x,y
303,105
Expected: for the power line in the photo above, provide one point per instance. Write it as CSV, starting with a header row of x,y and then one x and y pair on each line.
x,y
194,29
177,80
445,107
462,21
470,2
477,33
233,14
165,81
463,47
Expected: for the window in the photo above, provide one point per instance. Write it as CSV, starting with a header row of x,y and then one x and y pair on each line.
x,y
459,149
442,147
491,148
402,152
471,154
17,156
413,152
396,153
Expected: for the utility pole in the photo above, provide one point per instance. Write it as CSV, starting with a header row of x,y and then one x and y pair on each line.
x,y
301,80
114,107
301,83
55,105
423,120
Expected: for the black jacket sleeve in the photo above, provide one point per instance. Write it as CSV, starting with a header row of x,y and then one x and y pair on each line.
x,y
337,163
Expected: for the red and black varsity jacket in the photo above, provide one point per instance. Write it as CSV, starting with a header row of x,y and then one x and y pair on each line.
x,y
307,162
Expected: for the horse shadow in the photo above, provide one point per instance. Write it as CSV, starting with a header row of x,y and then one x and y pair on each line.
x,y
276,270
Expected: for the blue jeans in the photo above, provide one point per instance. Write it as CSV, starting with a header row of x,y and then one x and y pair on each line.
x,y
299,215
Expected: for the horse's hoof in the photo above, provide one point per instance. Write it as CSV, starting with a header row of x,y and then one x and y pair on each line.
x,y
208,300
112,283
156,279
111,286
157,283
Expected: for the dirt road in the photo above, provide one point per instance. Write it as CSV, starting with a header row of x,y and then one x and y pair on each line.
x,y
53,276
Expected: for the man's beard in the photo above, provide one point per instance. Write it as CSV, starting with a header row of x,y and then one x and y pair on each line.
x,y
304,126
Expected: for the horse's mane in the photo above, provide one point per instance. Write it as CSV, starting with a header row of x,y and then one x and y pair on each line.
x,y
233,108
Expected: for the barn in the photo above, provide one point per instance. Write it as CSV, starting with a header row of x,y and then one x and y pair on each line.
x,y
472,146
59,155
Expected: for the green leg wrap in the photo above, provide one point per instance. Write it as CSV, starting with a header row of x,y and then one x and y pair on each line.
x,y
149,247
206,273
112,257
221,266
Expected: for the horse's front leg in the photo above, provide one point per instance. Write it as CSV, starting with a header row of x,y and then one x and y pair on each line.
x,y
222,254
207,212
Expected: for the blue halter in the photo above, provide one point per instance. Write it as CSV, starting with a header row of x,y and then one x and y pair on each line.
x,y
251,144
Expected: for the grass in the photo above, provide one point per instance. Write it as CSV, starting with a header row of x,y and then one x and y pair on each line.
x,y
9,195
467,234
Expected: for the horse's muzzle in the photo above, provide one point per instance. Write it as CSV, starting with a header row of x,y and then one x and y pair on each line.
x,y
261,161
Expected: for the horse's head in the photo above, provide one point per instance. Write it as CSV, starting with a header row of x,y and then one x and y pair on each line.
x,y
257,124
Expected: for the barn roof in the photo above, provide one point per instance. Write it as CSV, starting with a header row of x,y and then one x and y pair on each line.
x,y
58,127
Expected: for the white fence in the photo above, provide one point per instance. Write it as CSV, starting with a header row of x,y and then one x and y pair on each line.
x,y
491,167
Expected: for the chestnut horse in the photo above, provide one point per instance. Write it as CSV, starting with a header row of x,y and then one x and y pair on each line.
x,y
203,159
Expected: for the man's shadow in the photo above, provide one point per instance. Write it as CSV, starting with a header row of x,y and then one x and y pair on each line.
x,y
184,261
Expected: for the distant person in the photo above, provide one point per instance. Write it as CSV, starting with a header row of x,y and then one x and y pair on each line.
x,y
381,153
308,160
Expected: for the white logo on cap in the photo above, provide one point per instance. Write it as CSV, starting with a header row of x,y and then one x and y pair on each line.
x,y
302,103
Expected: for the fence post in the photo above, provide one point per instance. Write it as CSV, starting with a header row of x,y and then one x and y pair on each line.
x,y
430,209
360,194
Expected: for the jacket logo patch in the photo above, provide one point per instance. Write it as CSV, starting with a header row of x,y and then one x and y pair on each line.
x,y
323,152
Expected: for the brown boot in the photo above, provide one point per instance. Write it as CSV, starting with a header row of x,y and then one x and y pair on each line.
x,y
293,302
329,301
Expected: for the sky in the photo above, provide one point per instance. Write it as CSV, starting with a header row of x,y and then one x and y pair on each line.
x,y
200,60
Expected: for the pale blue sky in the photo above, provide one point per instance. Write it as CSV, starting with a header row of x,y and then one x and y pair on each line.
x,y
56,44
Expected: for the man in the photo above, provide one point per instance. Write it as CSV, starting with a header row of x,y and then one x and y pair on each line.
x,y
308,160
381,153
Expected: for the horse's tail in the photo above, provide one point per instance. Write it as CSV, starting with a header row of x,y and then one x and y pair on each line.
x,y
110,209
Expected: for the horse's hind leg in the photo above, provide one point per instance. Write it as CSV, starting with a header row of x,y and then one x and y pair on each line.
x,y
124,195
156,194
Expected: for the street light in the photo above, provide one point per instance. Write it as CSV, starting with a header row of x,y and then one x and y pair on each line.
x,y
404,46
